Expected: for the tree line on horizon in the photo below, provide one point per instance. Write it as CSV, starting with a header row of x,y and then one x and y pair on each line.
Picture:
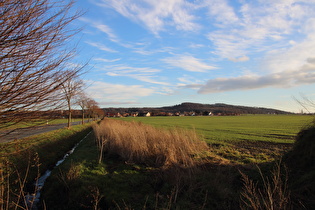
x,y
195,109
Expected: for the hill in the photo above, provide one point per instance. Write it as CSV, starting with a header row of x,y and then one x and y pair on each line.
x,y
224,109
188,108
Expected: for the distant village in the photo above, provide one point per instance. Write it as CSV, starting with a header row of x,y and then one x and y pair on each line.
x,y
149,114
190,109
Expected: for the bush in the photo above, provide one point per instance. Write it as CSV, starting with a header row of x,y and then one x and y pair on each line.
x,y
300,161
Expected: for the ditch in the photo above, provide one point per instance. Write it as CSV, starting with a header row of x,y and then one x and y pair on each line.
x,y
33,194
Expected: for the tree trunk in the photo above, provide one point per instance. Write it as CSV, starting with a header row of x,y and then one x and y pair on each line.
x,y
69,118
82,117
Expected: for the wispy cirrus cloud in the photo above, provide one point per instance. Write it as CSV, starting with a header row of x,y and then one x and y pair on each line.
x,y
107,60
124,69
143,74
101,46
144,51
106,29
156,14
188,63
101,27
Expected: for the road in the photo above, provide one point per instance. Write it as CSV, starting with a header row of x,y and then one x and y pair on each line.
x,y
26,132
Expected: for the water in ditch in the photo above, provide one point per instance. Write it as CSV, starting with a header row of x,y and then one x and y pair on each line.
x,y
33,198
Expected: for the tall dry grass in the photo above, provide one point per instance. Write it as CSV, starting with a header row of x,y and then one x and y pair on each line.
x,y
13,184
273,194
139,143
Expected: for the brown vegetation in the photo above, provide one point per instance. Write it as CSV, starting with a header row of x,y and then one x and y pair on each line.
x,y
274,192
139,143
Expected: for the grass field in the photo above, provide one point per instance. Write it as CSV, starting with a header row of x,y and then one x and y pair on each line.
x,y
216,129
236,145
240,139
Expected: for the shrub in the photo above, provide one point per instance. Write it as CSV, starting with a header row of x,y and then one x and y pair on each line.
x,y
300,161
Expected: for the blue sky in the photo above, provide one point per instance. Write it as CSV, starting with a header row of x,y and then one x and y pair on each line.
x,y
151,53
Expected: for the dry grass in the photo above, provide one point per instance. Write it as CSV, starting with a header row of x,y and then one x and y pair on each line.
x,y
138,143
273,194
13,183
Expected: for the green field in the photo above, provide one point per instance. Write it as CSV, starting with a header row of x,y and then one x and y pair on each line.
x,y
216,129
240,139
236,144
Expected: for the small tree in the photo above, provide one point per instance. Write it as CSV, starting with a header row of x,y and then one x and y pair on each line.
x,y
91,107
71,88
82,101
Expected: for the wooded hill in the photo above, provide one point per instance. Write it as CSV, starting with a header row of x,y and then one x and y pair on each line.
x,y
198,109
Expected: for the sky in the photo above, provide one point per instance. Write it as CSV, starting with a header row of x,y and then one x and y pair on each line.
x,y
153,53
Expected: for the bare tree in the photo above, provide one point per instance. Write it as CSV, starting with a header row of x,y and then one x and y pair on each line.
x,y
92,108
32,53
71,88
98,113
82,101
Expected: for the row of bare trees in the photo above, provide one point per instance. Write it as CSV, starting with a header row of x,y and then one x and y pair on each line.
x,y
37,72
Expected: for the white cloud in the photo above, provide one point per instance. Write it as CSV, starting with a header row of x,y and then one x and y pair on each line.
x,y
221,11
149,79
103,28
304,75
188,63
117,92
123,69
142,74
240,59
289,58
186,80
151,51
101,46
106,60
106,29
258,26
156,14
194,45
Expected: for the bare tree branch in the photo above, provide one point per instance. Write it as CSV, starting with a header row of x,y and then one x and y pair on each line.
x,y
33,53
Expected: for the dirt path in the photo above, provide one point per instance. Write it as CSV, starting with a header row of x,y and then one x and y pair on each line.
x,y
26,132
